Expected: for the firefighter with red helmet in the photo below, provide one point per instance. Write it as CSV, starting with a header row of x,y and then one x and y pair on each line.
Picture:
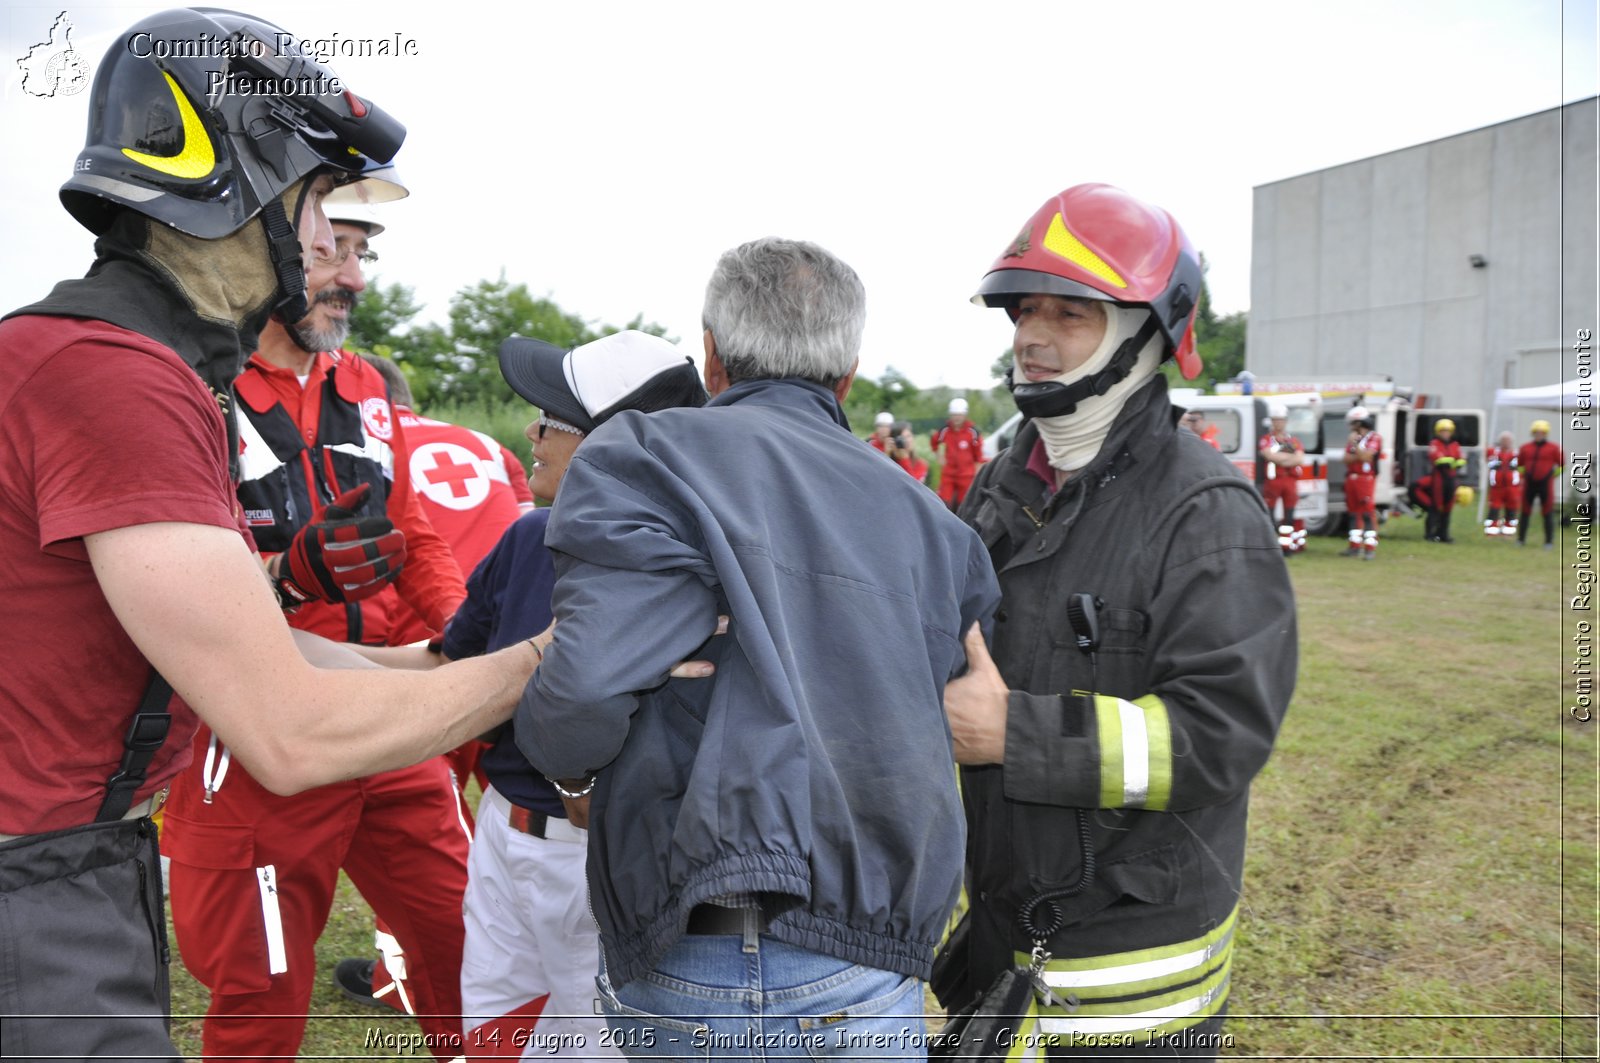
x,y
1505,487
1282,456
213,140
1444,457
1540,462
1143,655
1362,449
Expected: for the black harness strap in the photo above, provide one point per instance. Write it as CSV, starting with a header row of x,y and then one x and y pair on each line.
x,y
146,733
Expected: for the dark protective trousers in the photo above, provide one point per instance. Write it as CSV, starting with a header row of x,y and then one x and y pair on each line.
x,y
83,945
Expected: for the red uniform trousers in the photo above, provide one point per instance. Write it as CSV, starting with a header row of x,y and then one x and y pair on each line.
x,y
1507,497
953,485
370,828
1280,489
1359,494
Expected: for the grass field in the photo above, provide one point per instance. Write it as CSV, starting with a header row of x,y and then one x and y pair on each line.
x,y
1421,881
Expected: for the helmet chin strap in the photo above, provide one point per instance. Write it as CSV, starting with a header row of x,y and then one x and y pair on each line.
x,y
283,244
1051,398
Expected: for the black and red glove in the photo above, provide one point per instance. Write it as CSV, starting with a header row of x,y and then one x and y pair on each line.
x,y
343,557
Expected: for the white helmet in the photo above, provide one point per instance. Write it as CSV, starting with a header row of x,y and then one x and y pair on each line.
x,y
958,406
883,419
1357,413
1276,411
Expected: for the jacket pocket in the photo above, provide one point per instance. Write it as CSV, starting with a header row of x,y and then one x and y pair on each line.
x,y
1126,891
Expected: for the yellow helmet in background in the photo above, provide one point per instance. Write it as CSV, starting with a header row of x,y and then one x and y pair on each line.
x,y
1444,424
1540,426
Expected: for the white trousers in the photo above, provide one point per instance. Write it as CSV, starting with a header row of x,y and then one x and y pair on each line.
x,y
529,932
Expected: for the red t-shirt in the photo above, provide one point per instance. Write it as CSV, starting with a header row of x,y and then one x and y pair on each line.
x,y
100,428
471,489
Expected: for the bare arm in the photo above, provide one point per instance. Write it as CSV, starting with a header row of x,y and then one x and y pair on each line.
x,y
192,599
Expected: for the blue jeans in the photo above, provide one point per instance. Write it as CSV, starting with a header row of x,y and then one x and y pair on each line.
x,y
721,996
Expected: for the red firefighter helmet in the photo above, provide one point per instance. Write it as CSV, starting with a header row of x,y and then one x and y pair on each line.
x,y
1097,242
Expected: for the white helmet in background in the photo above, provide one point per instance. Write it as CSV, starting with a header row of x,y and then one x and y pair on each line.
x,y
958,406
883,419
1277,411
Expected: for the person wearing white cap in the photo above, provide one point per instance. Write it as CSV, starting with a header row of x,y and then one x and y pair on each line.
x,y
532,947
1282,456
960,444
1362,449
882,431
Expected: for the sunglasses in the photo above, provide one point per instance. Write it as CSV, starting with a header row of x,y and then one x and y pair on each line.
x,y
559,426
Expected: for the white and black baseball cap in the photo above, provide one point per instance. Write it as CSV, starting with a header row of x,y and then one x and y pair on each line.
x,y
585,386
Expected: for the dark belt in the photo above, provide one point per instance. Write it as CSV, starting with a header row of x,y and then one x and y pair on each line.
x,y
715,919
527,821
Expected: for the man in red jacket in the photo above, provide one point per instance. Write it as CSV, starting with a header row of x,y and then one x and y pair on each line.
x,y
253,874
960,444
1540,462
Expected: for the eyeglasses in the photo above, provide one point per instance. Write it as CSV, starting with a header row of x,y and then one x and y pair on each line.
x,y
559,426
344,251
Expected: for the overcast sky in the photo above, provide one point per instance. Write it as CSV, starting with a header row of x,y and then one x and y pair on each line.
x,y
606,153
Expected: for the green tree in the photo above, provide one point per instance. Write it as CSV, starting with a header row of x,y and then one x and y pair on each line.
x,y
381,316
1002,365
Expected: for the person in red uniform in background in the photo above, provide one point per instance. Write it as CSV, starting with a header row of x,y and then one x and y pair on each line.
x,y
961,445
1540,462
1444,457
470,485
882,429
1283,455
903,451
253,874
1505,487
1361,452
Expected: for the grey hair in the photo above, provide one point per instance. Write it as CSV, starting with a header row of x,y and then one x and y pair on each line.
x,y
785,308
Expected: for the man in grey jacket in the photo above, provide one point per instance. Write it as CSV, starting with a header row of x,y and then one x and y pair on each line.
x,y
773,853
1143,655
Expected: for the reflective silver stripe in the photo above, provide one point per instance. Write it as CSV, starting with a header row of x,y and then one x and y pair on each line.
x,y
1143,1020
1135,754
1130,972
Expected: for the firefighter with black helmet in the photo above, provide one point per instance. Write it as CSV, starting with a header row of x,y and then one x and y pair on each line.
x,y
203,180
1143,654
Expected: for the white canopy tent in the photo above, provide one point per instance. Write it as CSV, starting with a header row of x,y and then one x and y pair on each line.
x,y
1548,397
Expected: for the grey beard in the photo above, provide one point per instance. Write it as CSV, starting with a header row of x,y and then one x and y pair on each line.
x,y
314,340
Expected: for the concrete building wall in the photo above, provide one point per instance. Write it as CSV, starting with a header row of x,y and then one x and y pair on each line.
x,y
1365,269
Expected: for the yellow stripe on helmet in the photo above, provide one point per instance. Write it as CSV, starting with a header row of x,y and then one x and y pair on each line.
x,y
195,158
1058,240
